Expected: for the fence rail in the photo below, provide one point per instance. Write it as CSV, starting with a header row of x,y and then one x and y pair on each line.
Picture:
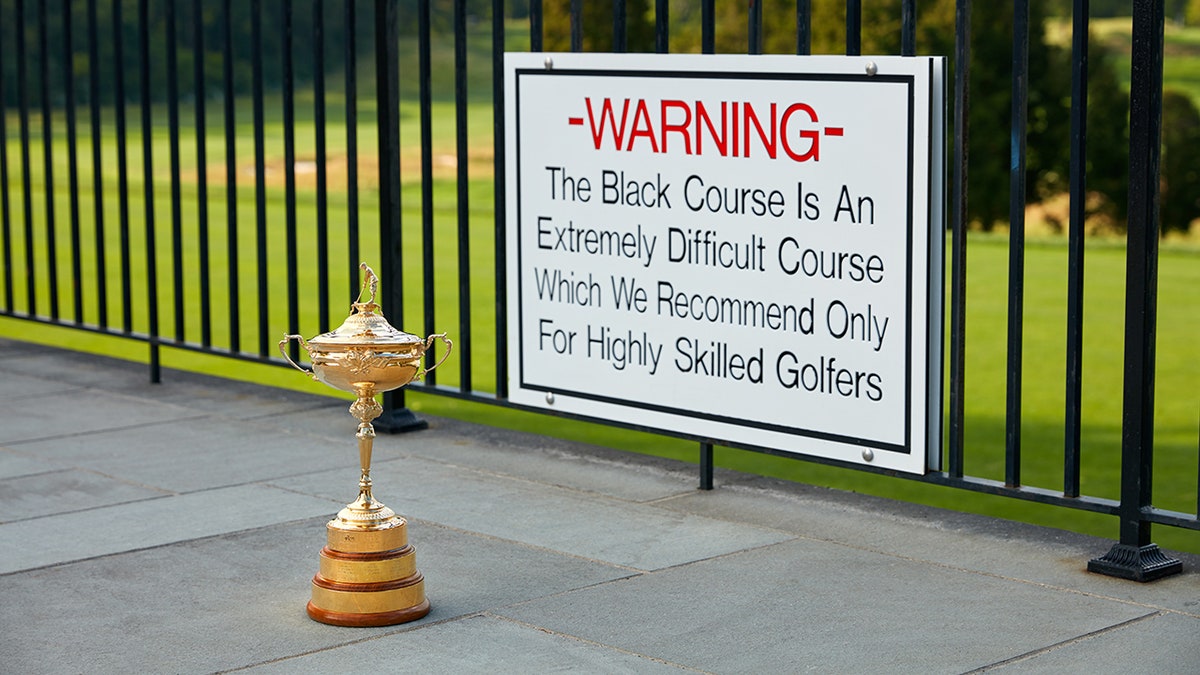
x,y
206,241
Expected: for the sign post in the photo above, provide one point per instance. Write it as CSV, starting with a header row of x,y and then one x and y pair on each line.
x,y
745,249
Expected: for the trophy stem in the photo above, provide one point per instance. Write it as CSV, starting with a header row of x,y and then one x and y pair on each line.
x,y
366,437
365,409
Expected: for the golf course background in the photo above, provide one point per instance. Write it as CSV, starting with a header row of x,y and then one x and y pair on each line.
x,y
1177,401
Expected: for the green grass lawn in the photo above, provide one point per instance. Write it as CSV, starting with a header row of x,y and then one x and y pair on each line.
x,y
1044,323
1044,354
1181,50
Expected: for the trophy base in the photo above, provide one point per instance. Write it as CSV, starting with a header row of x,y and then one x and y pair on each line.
x,y
368,577
367,620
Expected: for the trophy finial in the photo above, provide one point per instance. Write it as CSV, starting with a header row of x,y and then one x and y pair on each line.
x,y
370,282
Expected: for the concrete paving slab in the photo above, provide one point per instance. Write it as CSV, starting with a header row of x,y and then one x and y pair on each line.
x,y
328,419
572,465
198,453
809,605
47,494
1157,643
539,458
960,540
71,536
76,368
598,528
14,464
235,400
43,369
445,648
467,573
537,553
226,602
77,411
15,385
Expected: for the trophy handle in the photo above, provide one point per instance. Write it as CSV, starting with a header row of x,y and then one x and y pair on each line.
x,y
428,342
283,343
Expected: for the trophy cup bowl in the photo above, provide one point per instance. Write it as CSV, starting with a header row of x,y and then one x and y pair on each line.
x,y
368,574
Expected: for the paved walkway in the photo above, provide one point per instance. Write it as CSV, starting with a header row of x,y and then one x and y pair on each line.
x,y
175,527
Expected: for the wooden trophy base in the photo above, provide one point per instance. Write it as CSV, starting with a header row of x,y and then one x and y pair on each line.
x,y
368,577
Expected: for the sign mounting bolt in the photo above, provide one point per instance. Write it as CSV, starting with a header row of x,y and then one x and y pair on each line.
x,y
871,68
868,455
550,398
549,63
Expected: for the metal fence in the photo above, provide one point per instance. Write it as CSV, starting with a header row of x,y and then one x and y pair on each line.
x,y
205,241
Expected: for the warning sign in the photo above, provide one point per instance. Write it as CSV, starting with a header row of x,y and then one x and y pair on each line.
x,y
743,249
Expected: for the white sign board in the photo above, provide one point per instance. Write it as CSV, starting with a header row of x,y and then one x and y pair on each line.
x,y
746,249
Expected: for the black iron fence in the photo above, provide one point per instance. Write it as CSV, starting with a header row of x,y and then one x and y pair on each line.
x,y
155,188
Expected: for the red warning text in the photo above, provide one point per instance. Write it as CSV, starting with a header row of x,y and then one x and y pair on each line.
x,y
725,128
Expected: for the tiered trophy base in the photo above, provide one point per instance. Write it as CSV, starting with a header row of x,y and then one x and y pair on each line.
x,y
368,575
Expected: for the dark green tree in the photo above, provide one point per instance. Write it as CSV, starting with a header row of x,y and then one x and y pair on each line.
x,y
1108,136
157,12
1179,201
597,25
1047,134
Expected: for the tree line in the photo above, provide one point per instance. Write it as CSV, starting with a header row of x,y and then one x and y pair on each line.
x,y
990,90
1048,131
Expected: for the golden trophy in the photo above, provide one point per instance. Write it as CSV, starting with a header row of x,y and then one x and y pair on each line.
x,y
368,573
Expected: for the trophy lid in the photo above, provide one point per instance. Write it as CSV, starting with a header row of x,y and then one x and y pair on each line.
x,y
366,326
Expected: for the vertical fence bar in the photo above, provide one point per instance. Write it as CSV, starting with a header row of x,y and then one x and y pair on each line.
x,y
118,31
499,199
68,39
425,94
1078,191
706,465
387,103
464,210
1135,556
318,36
26,162
754,28
289,179
176,186
1016,241
395,416
803,27
48,158
260,176
853,27
958,284
708,32
908,28
576,25
5,208
350,20
662,27
535,25
148,190
201,122
97,165
620,40
231,178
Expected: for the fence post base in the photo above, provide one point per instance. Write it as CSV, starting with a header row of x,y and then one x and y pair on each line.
x,y
1137,563
706,466
399,420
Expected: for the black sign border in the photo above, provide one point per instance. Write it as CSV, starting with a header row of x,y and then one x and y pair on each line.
x,y
907,79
